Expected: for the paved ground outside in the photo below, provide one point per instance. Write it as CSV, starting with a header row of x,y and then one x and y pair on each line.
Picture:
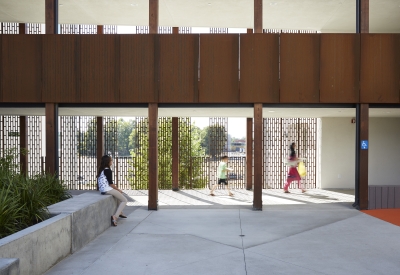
x,y
313,233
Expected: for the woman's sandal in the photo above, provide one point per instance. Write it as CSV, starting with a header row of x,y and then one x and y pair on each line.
x,y
123,216
113,222
285,191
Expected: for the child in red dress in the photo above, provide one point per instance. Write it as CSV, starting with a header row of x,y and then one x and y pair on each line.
x,y
293,174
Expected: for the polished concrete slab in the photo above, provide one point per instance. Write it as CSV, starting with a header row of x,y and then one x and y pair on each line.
x,y
302,238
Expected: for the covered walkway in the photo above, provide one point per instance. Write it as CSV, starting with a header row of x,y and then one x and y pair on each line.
x,y
307,236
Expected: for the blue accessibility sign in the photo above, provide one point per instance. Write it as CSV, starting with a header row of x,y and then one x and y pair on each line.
x,y
364,144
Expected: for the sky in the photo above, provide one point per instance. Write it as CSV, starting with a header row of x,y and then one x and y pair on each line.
x,y
236,125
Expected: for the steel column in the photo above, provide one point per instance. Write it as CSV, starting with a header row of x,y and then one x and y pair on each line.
x,y
153,16
175,154
153,157
22,28
100,142
249,153
52,138
362,16
361,181
23,143
51,13
175,30
258,156
100,29
258,16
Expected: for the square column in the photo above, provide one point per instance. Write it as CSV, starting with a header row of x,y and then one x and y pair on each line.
x,y
249,153
175,154
153,156
51,165
258,156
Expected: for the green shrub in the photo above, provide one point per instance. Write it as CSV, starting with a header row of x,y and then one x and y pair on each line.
x,y
24,200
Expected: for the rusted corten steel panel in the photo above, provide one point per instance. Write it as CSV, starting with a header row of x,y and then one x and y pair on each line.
x,y
259,68
380,68
179,56
299,68
137,61
60,57
98,68
22,68
219,68
339,68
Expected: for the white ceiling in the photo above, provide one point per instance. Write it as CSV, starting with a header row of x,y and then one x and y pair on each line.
x,y
205,112
319,15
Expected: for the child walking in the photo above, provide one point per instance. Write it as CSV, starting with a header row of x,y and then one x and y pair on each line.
x,y
222,171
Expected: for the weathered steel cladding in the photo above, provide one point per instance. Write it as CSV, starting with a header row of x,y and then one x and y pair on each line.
x,y
179,57
313,68
21,72
380,68
299,68
219,68
339,68
138,63
259,68
60,70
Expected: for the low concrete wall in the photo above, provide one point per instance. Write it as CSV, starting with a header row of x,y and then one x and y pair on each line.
x,y
383,196
77,222
90,216
9,266
40,246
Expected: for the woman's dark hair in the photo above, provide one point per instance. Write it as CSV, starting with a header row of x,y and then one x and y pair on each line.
x,y
105,163
292,151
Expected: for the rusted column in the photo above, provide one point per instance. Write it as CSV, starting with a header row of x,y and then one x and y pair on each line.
x,y
362,126
175,154
258,16
175,30
99,141
51,138
51,13
23,143
362,16
249,153
22,28
153,16
100,29
258,161
153,157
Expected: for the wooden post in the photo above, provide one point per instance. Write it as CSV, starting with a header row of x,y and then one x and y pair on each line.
x,y
153,16
100,142
258,16
249,153
175,154
153,156
258,156
362,124
51,13
100,29
175,30
23,143
22,28
52,138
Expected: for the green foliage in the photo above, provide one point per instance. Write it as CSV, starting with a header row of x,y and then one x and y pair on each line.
x,y
213,139
190,170
24,200
124,130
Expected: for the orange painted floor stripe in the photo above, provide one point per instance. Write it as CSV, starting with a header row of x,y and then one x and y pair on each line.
x,y
388,215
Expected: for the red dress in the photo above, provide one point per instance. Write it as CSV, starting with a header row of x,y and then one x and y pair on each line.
x,y
293,174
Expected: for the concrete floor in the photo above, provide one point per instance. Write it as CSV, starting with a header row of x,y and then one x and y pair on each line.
x,y
308,237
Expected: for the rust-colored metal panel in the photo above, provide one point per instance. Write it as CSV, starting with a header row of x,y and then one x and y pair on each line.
x,y
299,68
259,68
98,68
22,68
380,68
219,68
1,69
137,79
59,68
339,68
179,68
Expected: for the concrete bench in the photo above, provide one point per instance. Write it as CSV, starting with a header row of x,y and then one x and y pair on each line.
x,y
76,222
9,266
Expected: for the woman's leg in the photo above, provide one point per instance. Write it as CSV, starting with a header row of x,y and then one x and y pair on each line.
x,y
286,186
122,203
